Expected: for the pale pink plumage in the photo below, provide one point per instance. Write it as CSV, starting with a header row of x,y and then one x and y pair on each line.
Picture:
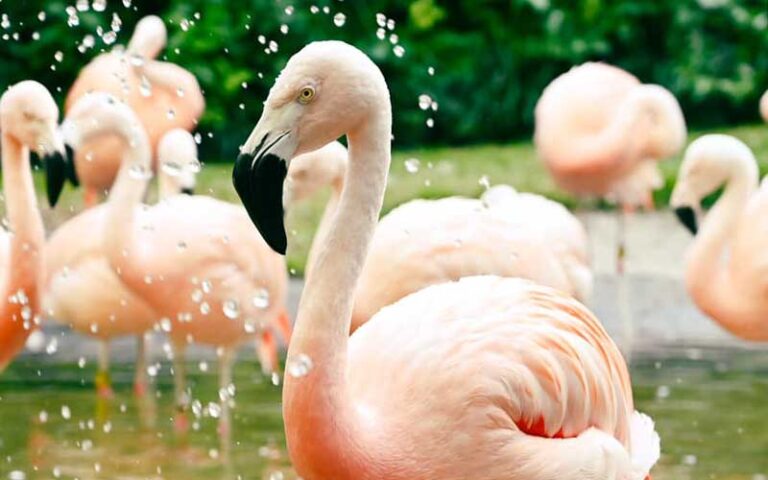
x,y
727,265
427,242
600,132
28,118
460,380
163,95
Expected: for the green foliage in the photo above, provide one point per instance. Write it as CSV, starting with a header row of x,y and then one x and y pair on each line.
x,y
491,58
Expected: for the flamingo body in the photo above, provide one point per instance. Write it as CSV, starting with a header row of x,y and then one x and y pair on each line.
x,y
427,242
600,132
82,290
163,95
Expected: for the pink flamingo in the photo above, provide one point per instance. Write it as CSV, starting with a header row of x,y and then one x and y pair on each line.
x,y
427,242
163,95
28,121
726,274
196,261
486,378
82,290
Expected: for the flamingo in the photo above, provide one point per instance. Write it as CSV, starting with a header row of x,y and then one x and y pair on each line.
x,y
28,121
726,273
427,242
600,132
485,378
163,95
82,290
196,261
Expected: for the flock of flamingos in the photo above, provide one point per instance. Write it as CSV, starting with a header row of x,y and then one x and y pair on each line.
x,y
470,356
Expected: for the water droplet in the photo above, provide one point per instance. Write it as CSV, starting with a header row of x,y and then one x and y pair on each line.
x,y
663,392
394,39
205,308
381,34
66,413
165,325
145,87
203,366
284,29
430,122
171,114
184,24
41,16
197,295
289,10
137,61
214,410
412,165
52,347
485,182
58,56
314,9
339,19
231,309
275,377
272,46
152,370
180,92
381,20
390,24
82,5
431,71
299,365
117,23
425,101
17,475
139,172
148,279
109,38
99,5
399,51
171,168
127,3
81,362
261,299
36,341
207,286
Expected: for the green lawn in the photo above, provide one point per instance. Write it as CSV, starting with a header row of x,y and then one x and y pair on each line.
x,y
442,172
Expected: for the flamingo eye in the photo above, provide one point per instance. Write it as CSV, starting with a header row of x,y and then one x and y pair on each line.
x,y
306,95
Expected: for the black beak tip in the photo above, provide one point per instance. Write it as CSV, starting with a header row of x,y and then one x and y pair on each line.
x,y
687,216
55,172
187,191
260,187
70,163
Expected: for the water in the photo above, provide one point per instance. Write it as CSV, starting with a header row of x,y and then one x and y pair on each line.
x,y
709,405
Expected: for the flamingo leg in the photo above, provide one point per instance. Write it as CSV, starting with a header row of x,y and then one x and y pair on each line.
x,y
145,399
103,383
181,397
226,396
625,314
285,327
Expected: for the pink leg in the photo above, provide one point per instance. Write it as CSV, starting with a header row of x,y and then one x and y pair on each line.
x,y
283,324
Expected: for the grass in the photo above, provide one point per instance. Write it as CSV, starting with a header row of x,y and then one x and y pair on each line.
x,y
442,172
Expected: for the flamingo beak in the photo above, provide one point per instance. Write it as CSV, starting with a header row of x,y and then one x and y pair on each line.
x,y
55,161
687,216
258,176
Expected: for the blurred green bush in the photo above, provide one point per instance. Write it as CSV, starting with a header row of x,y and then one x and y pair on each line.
x,y
491,58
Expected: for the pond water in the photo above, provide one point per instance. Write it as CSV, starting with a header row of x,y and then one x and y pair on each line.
x,y
710,406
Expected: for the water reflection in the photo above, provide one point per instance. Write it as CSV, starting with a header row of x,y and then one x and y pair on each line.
x,y
710,408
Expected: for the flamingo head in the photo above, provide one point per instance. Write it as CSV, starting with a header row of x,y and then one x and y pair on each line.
x,y
666,129
149,37
179,165
314,170
326,90
709,162
29,114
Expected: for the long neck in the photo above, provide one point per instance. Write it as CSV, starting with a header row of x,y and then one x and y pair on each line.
x,y
127,193
321,426
24,220
706,274
325,224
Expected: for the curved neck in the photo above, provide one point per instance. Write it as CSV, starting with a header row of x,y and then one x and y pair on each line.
x,y
127,193
24,220
706,275
318,446
325,224
167,187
